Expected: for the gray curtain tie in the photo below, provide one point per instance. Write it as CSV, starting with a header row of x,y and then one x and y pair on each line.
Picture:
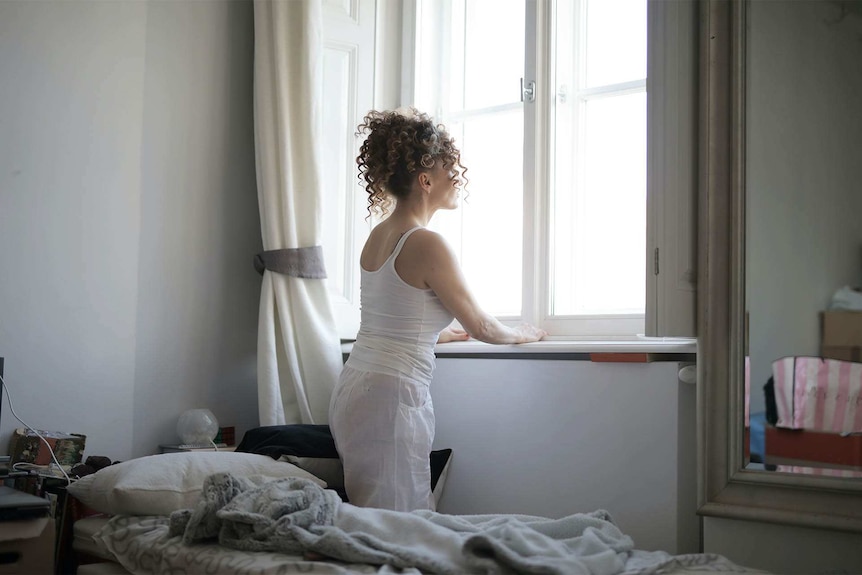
x,y
294,262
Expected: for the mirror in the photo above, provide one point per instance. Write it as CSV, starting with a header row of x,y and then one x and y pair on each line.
x,y
803,233
766,169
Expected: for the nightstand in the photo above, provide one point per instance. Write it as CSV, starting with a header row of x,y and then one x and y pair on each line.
x,y
27,527
27,546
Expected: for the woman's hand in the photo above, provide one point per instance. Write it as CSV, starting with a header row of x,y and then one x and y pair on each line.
x,y
530,333
452,334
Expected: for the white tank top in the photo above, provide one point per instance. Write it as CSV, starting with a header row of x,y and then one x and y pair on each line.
x,y
399,323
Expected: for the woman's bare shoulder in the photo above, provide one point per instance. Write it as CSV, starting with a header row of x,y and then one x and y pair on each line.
x,y
429,239
428,244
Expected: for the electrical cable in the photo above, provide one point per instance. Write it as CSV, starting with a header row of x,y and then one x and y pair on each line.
x,y
50,449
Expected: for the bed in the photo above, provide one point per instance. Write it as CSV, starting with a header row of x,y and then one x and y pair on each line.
x,y
238,512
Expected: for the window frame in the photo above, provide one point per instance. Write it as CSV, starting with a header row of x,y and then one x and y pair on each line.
x,y
585,325
671,83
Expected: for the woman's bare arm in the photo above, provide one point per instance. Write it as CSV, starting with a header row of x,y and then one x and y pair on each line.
x,y
443,275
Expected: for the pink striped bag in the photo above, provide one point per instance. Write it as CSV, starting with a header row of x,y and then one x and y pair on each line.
x,y
818,394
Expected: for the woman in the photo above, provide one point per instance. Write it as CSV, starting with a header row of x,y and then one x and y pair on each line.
x,y
412,287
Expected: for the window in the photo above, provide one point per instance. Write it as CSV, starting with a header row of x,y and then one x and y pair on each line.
x,y
576,200
547,100
478,99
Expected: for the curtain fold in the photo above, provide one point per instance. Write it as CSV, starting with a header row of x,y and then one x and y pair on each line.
x,y
299,353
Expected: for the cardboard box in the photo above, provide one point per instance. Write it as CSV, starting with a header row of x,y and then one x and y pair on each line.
x,y
27,547
841,335
806,447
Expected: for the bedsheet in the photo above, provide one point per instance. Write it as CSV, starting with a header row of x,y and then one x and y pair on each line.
x,y
144,545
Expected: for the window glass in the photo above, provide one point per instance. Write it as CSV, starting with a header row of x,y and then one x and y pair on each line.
x,y
468,77
493,53
615,41
487,229
600,221
597,200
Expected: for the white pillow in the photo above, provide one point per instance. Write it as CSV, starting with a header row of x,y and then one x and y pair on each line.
x,y
161,484
329,469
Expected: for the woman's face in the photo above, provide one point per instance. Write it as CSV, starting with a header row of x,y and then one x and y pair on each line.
x,y
445,185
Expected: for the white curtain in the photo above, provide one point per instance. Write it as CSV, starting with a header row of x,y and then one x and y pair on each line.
x,y
299,354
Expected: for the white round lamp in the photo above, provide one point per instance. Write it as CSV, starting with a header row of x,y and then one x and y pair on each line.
x,y
197,426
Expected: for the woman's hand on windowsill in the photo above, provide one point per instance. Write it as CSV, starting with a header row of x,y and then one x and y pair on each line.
x,y
452,334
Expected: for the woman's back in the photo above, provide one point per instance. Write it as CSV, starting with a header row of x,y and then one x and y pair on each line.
x,y
400,322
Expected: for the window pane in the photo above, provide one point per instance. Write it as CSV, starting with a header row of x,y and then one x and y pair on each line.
x,y
599,228
616,41
470,59
493,53
487,230
470,54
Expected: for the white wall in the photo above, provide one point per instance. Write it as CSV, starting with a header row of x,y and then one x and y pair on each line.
x,y
553,437
128,218
198,291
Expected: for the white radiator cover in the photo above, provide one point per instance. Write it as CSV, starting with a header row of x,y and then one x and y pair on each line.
x,y
556,437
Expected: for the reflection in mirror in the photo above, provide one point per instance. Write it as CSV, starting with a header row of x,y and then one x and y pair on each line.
x,y
803,236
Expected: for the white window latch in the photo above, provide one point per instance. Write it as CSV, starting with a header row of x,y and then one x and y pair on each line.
x,y
528,91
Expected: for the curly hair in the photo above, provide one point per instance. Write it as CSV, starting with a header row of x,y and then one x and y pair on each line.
x,y
399,144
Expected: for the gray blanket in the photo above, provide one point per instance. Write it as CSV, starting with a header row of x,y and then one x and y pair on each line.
x,y
243,514
296,516
293,515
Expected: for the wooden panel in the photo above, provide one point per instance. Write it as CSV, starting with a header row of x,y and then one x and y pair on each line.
x,y
348,94
342,8
671,169
339,89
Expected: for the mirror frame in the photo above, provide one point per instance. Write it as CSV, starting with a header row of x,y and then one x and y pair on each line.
x,y
725,488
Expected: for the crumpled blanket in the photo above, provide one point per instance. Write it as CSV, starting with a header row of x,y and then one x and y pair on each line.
x,y
584,543
293,515
245,515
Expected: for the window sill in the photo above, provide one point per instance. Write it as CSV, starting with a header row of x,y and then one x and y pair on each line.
x,y
635,349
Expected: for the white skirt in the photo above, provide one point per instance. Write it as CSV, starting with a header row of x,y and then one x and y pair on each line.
x,y
383,427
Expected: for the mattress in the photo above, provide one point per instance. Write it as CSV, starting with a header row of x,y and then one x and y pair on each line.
x,y
82,536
